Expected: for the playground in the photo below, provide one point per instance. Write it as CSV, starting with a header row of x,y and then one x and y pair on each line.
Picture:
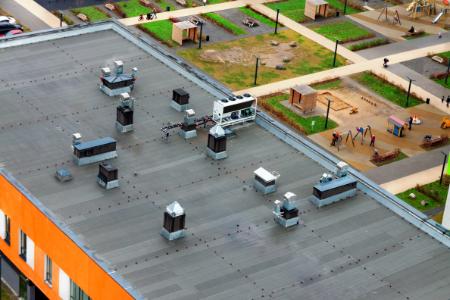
x,y
361,113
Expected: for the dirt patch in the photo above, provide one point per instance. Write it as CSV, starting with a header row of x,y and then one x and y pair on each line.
x,y
270,56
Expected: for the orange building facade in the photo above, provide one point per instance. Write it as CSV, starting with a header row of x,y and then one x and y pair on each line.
x,y
47,253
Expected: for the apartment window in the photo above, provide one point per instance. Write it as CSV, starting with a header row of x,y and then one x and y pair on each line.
x,y
7,230
76,293
48,269
23,245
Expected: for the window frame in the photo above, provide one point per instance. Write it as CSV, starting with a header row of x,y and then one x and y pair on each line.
x,y
48,270
22,245
7,230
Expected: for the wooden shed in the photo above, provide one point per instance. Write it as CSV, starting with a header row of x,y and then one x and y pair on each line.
x,y
303,97
184,30
316,8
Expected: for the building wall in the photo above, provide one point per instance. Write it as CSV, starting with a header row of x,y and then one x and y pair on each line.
x,y
10,275
49,240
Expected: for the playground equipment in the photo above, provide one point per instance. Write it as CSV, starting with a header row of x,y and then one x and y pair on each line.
x,y
396,126
445,123
420,8
385,12
363,132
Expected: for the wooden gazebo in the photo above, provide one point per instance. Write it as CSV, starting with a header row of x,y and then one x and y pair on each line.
x,y
184,30
303,97
315,8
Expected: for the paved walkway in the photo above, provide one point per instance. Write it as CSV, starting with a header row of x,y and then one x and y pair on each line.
x,y
410,181
375,65
41,13
193,11
23,15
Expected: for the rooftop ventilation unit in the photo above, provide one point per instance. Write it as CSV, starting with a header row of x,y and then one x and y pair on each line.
x,y
217,143
174,222
125,113
189,126
180,100
234,110
286,212
113,84
265,181
94,151
63,175
108,176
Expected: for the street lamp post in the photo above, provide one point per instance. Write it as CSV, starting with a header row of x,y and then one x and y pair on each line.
x,y
448,71
201,34
276,22
443,167
256,70
409,91
335,53
328,112
345,6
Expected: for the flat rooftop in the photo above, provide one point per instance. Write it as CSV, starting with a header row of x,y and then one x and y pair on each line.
x,y
355,249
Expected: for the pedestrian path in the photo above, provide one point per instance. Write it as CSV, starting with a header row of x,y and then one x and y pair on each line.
x,y
402,184
40,12
193,11
23,16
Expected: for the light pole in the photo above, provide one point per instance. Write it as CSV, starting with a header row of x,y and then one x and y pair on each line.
x,y
256,70
409,91
448,71
335,53
201,34
276,22
61,17
328,112
345,7
443,167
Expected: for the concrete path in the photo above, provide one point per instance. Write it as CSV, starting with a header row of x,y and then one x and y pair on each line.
x,y
193,11
406,167
41,13
374,65
23,15
407,182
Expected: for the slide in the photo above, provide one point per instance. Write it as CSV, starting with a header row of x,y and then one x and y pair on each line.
x,y
438,17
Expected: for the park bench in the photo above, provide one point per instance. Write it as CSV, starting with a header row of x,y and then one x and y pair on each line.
x,y
378,158
429,141
182,2
109,6
437,59
196,20
83,17
249,22
145,3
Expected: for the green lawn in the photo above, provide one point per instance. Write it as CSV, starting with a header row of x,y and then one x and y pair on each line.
x,y
434,187
386,90
344,31
294,9
257,16
92,12
368,44
225,23
161,30
164,4
327,85
215,1
273,104
442,82
133,8
445,55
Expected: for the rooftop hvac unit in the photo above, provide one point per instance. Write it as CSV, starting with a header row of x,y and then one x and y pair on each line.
x,y
118,82
174,222
234,110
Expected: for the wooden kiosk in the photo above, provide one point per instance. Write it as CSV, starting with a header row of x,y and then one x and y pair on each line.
x,y
184,30
316,8
303,97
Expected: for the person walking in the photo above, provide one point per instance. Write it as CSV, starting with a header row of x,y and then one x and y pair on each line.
x,y
154,13
443,99
448,100
141,17
372,141
439,35
410,120
149,16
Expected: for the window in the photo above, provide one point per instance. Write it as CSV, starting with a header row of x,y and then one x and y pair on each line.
x,y
76,293
7,230
23,245
48,269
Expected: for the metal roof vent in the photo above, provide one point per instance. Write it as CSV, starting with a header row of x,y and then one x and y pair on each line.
x,y
118,67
